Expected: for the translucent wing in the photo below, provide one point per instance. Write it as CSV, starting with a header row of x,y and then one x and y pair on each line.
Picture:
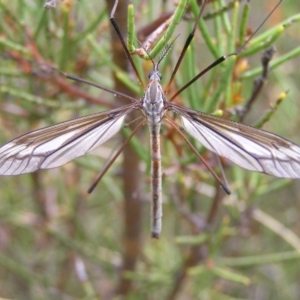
x,y
56,145
248,147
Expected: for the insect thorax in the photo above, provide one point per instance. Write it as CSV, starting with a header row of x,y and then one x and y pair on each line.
x,y
154,103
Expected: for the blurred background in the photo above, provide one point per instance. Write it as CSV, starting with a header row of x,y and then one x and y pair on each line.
x,y
59,242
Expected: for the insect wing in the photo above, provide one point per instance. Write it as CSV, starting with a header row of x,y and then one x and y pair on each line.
x,y
57,145
248,147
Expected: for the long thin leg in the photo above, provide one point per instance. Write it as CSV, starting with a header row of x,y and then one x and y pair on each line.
x,y
215,63
115,25
78,79
219,60
112,160
222,184
185,47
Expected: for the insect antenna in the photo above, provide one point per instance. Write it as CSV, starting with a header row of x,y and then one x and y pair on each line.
x,y
148,53
165,51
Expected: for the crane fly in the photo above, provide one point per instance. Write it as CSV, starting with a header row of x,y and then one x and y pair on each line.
x,y
250,148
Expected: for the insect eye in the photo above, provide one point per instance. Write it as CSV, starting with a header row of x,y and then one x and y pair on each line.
x,y
150,74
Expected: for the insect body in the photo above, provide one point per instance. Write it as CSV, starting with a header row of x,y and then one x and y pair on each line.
x,y
248,147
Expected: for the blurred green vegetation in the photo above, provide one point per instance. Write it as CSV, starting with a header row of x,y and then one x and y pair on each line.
x,y
58,242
